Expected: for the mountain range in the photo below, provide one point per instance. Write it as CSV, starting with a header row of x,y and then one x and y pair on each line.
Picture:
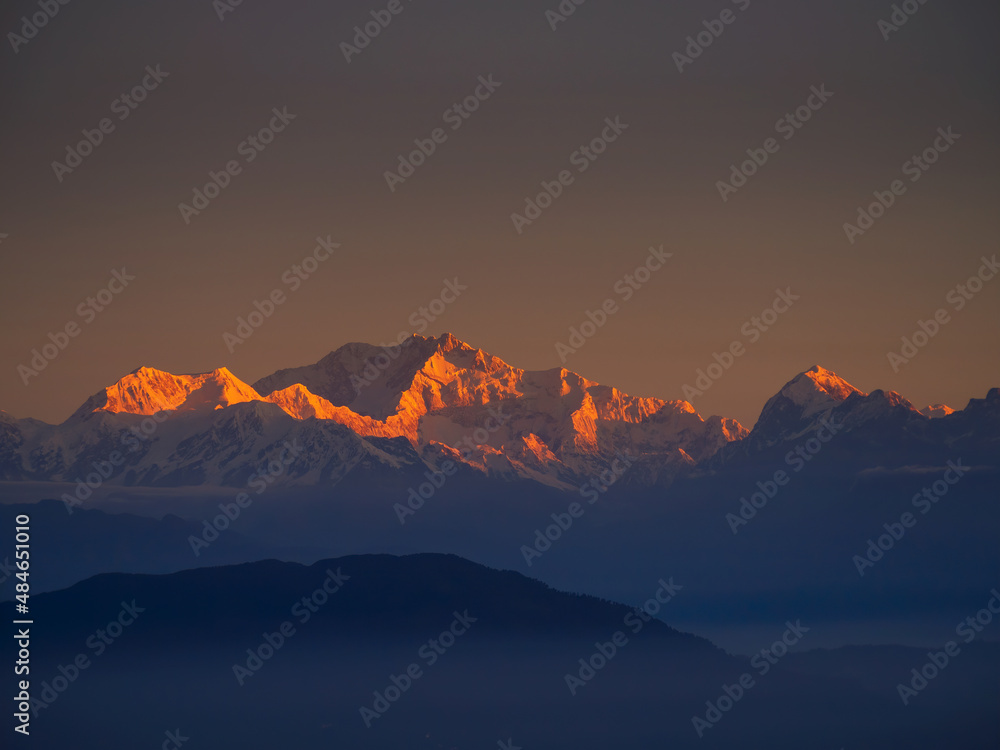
x,y
428,401
498,455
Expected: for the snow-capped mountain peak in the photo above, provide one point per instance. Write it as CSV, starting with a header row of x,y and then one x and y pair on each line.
x,y
936,411
147,391
817,389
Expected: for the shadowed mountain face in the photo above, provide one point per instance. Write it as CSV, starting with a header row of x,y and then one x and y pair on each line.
x,y
884,427
433,651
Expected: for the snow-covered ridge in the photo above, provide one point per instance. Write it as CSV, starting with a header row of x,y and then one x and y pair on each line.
x,y
424,402
439,394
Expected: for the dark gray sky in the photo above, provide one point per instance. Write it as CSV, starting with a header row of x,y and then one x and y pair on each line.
x,y
657,184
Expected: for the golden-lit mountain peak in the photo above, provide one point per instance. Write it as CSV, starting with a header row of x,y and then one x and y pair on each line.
x,y
148,391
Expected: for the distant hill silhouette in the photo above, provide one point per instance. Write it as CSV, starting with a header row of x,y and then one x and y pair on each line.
x,y
502,677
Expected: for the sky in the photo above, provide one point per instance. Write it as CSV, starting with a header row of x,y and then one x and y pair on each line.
x,y
319,171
